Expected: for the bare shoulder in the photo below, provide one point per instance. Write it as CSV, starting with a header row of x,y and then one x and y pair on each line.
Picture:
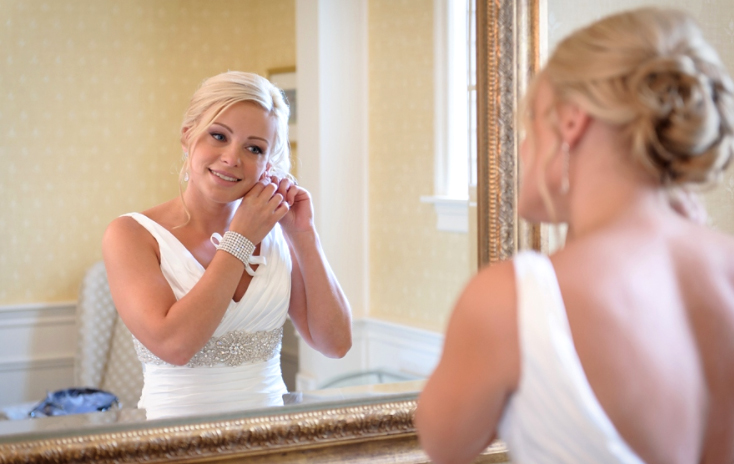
x,y
489,294
126,245
705,262
483,326
124,232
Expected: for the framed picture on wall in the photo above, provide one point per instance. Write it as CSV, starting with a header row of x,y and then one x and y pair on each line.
x,y
285,78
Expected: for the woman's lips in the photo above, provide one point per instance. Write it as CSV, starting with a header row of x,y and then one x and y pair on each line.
x,y
224,176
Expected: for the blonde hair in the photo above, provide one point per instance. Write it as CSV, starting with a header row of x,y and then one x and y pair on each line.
x,y
650,72
216,94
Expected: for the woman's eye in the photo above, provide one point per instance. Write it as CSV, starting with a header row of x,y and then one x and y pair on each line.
x,y
218,136
255,150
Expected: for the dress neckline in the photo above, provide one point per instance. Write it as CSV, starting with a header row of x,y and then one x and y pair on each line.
x,y
180,244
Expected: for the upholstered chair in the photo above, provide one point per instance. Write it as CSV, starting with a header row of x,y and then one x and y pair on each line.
x,y
105,357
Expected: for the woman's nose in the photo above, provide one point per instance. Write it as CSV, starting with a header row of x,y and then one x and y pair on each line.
x,y
230,156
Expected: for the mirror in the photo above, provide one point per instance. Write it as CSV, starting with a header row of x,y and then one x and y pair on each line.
x,y
95,93
115,123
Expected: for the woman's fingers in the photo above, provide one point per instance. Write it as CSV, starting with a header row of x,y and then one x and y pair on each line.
x,y
259,210
285,186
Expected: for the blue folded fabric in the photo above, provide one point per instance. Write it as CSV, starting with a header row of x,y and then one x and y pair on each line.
x,y
75,401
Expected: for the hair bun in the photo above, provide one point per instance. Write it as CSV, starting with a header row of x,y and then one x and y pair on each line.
x,y
680,121
651,72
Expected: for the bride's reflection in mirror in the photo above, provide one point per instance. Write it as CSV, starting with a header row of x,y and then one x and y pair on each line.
x,y
93,97
205,281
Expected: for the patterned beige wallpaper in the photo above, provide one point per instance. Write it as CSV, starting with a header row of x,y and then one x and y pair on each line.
x,y
91,98
416,272
716,18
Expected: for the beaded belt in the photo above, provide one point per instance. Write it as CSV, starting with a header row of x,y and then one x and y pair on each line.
x,y
231,349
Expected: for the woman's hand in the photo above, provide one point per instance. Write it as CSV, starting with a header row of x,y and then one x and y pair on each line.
x,y
258,212
299,218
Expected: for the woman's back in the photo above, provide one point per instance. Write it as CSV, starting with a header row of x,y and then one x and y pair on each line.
x,y
650,304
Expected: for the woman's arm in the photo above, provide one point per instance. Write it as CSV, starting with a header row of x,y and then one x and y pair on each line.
x,y
462,402
318,308
175,330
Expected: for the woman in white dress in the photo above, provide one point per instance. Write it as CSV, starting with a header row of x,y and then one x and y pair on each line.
x,y
206,280
619,347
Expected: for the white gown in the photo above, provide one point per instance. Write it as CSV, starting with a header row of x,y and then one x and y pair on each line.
x,y
239,368
554,416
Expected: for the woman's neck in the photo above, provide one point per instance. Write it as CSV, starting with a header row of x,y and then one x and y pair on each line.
x,y
208,216
607,187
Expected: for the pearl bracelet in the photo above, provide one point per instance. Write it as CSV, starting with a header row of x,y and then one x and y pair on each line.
x,y
236,245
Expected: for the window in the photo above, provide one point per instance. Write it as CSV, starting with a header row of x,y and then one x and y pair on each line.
x,y
455,112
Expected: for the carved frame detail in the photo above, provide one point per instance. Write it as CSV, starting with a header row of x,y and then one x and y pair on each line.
x,y
507,56
287,437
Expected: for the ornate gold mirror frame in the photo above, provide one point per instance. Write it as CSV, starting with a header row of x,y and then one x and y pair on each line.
x,y
365,430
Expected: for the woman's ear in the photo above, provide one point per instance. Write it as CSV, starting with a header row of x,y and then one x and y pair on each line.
x,y
573,122
184,139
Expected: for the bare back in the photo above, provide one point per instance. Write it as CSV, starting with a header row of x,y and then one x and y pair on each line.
x,y
651,311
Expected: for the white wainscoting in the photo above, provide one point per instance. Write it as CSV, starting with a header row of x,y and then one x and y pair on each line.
x,y
376,345
37,347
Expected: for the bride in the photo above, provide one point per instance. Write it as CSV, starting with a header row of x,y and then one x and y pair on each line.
x,y
205,280
617,348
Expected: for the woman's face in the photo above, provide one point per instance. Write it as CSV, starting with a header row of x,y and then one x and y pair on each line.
x,y
541,160
232,154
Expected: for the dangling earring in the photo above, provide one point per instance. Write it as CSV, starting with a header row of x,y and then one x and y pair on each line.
x,y
566,153
186,174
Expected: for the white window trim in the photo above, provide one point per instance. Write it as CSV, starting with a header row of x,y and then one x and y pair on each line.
x,y
452,214
450,202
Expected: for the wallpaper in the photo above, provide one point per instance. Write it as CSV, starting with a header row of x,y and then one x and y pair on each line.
x,y
416,272
91,99
716,18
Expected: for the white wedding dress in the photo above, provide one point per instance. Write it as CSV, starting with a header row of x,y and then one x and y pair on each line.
x,y
554,416
239,368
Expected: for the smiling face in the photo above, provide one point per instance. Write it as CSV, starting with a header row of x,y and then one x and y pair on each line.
x,y
231,155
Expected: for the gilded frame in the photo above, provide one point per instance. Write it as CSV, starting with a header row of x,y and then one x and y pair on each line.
x,y
373,431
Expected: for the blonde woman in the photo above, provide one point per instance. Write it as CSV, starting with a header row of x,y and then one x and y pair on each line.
x,y
619,347
206,280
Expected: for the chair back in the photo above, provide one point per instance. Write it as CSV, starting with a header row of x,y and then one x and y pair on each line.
x,y
105,356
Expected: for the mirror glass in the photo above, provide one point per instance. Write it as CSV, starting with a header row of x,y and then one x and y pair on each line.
x,y
92,98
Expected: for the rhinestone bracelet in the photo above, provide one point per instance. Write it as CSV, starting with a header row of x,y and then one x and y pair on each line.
x,y
236,245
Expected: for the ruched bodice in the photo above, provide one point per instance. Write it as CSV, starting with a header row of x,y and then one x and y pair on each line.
x,y
240,366
554,416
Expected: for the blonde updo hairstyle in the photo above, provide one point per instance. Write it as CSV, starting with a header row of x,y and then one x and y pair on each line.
x,y
216,94
650,72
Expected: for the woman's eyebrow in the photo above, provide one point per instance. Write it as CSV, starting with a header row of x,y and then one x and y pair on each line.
x,y
223,125
259,138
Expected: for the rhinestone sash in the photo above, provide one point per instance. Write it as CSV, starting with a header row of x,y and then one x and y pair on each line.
x,y
231,349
